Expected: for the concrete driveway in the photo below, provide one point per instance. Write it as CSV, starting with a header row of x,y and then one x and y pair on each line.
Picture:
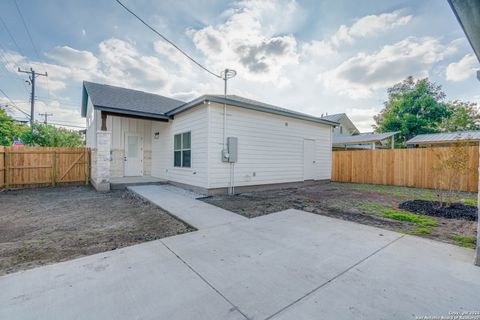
x,y
286,265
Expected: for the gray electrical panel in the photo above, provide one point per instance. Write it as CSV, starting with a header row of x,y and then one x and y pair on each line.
x,y
231,154
232,146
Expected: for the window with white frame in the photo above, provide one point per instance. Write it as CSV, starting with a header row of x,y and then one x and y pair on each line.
x,y
182,152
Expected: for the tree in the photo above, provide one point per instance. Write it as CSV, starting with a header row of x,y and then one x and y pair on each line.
x,y
44,135
9,129
413,107
462,116
452,165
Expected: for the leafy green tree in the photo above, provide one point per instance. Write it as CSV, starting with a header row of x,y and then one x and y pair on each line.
x,y
9,129
463,116
413,107
44,135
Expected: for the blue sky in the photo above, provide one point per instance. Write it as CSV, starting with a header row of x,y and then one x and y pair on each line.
x,y
312,56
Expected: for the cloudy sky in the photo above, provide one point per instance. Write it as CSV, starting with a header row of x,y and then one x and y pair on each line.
x,y
312,56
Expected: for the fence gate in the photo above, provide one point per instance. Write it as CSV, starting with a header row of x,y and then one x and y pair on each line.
x,y
40,166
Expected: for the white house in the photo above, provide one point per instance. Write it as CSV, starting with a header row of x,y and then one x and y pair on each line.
x,y
199,146
347,136
345,126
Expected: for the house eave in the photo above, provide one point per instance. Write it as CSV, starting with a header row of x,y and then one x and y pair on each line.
x,y
131,113
205,99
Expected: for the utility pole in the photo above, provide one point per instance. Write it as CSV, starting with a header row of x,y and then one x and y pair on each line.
x,y
46,115
32,75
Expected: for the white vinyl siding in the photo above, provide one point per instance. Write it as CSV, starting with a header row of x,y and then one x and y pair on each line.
x,y
269,151
195,121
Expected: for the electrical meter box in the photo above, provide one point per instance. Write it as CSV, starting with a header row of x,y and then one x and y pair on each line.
x,y
231,154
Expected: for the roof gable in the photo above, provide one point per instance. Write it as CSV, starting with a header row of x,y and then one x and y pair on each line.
x,y
129,101
343,119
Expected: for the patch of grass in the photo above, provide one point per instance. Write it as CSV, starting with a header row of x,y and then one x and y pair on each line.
x,y
409,193
409,217
422,230
374,208
466,242
471,202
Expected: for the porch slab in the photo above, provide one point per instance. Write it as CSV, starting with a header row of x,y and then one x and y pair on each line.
x,y
121,183
181,204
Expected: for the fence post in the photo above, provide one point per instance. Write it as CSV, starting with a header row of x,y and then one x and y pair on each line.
x,y
85,157
6,161
54,167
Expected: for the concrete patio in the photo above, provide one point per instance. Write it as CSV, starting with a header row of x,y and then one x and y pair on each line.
x,y
286,265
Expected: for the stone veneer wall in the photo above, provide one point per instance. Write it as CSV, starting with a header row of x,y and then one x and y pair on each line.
x,y
101,162
117,164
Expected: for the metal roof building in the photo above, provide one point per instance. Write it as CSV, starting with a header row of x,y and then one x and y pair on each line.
x,y
445,138
363,139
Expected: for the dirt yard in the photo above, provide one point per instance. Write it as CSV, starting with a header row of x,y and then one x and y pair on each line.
x,y
367,204
41,226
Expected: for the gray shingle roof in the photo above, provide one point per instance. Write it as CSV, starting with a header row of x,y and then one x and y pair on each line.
x,y
111,98
253,105
134,102
362,138
334,117
445,137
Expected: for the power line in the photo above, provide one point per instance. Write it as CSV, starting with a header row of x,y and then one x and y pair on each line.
x,y
164,38
66,125
31,41
26,29
46,115
13,104
10,35
6,61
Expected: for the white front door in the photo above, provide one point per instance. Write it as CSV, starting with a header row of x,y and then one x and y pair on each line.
x,y
308,159
133,155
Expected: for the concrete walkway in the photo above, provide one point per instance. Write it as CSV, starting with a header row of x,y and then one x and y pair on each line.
x,y
286,265
182,204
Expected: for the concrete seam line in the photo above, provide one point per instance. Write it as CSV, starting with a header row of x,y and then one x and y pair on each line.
x,y
334,278
205,280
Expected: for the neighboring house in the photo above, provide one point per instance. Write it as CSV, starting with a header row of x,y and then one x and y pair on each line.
x,y
345,127
445,139
134,133
347,136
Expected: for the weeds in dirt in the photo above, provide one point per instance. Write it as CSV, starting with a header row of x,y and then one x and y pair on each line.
x,y
410,217
421,231
466,242
374,208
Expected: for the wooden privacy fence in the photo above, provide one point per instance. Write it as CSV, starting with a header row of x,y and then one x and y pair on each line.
x,y
401,167
22,167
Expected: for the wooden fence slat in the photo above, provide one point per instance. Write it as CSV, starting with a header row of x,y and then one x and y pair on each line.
x,y
400,167
36,166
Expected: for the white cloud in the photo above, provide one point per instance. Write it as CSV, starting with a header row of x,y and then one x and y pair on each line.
x,y
463,69
369,26
360,75
72,57
251,40
362,117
